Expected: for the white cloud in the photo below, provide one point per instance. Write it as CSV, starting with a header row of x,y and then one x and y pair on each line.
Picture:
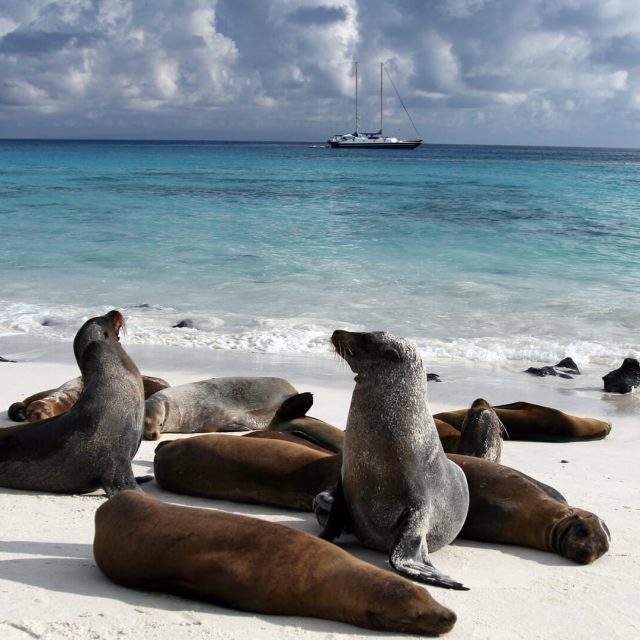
x,y
468,69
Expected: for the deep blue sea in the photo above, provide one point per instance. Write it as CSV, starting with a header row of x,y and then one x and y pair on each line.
x,y
473,252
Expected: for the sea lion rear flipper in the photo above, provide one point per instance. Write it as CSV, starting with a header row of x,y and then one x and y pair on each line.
x,y
295,407
338,517
409,555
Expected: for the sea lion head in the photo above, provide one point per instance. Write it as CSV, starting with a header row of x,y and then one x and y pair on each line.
x,y
481,432
99,329
366,352
154,417
582,537
38,410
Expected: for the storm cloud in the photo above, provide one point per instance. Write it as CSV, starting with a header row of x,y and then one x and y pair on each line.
x,y
477,71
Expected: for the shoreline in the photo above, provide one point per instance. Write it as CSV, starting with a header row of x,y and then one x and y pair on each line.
x,y
52,589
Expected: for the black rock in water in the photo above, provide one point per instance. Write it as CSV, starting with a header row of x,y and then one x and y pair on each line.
x,y
184,324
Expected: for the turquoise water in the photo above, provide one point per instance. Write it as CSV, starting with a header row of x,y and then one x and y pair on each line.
x,y
490,253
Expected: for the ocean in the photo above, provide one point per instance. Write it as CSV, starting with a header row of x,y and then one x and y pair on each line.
x,y
475,253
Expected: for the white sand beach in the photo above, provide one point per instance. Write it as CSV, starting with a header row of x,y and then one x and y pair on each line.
x,y
50,587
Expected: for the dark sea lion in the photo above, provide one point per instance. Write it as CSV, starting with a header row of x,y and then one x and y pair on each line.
x,y
252,565
217,404
481,433
537,423
227,467
397,489
624,379
91,445
292,417
54,402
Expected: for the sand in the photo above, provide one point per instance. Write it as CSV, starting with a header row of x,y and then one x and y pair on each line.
x,y
50,586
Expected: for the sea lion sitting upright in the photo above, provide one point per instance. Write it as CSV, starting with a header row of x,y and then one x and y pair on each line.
x,y
217,404
292,418
481,433
91,445
397,489
252,565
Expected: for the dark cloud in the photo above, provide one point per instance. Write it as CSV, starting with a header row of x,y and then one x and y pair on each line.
x,y
563,71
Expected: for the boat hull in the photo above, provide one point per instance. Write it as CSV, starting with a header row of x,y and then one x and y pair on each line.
x,y
408,144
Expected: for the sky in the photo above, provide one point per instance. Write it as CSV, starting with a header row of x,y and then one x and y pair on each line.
x,y
539,72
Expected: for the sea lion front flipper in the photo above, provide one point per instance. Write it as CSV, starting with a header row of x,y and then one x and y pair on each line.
x,y
294,407
338,516
409,555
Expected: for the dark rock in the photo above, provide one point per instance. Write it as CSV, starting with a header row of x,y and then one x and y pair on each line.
x,y
623,379
5,360
542,371
568,366
433,377
184,324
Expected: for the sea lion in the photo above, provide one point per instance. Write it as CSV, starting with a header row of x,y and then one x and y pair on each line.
x,y
252,565
217,404
230,468
91,445
292,417
272,468
507,506
53,402
481,433
537,423
56,402
397,489
624,379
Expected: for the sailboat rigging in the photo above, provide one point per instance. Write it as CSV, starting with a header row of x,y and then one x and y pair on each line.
x,y
377,140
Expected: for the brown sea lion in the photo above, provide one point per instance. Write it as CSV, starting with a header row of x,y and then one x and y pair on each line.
x,y
91,445
506,505
276,473
217,404
252,565
397,489
537,423
54,402
292,417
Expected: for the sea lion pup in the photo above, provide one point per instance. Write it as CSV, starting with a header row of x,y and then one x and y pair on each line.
x,y
481,433
537,423
91,445
217,404
275,473
54,402
292,417
252,565
397,489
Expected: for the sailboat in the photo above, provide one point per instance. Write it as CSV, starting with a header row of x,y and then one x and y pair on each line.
x,y
377,140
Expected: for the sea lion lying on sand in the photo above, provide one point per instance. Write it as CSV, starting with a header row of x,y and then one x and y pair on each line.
x,y
280,469
91,445
536,423
54,402
252,565
217,404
